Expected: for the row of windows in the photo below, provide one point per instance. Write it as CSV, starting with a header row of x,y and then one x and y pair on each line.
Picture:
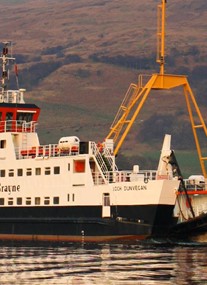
x,y
28,117
79,166
28,201
37,200
28,171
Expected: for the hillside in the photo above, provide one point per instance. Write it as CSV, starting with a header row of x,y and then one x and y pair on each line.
x,y
77,59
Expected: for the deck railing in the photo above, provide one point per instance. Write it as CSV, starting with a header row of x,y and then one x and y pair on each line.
x,y
124,176
192,185
50,150
18,126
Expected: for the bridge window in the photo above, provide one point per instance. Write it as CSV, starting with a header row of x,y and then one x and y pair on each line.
x,y
1,201
9,116
24,117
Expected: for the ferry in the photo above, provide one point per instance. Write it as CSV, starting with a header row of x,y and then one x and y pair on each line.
x,y
72,190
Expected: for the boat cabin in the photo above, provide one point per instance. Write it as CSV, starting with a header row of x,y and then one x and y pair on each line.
x,y
14,111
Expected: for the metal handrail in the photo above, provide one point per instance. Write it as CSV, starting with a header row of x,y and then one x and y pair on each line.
x,y
18,126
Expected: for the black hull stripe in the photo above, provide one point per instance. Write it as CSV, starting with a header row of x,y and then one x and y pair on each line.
x,y
150,214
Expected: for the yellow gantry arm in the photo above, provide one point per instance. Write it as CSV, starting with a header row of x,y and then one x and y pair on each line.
x,y
123,124
161,11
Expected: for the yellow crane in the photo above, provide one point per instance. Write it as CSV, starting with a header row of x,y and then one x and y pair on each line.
x,y
138,93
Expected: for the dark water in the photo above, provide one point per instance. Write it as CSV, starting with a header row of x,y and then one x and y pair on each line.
x,y
138,263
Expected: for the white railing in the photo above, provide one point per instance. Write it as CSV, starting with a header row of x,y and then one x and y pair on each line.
x,y
50,150
17,126
123,176
195,186
12,96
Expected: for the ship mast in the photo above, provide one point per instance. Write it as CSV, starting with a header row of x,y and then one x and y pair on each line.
x,y
9,96
5,59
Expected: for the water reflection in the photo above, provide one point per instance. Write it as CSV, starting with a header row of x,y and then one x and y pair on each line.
x,y
115,264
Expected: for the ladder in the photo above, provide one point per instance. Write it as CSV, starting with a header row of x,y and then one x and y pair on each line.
x,y
105,160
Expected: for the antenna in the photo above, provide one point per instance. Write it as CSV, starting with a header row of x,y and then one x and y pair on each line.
x,y
5,58
161,35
